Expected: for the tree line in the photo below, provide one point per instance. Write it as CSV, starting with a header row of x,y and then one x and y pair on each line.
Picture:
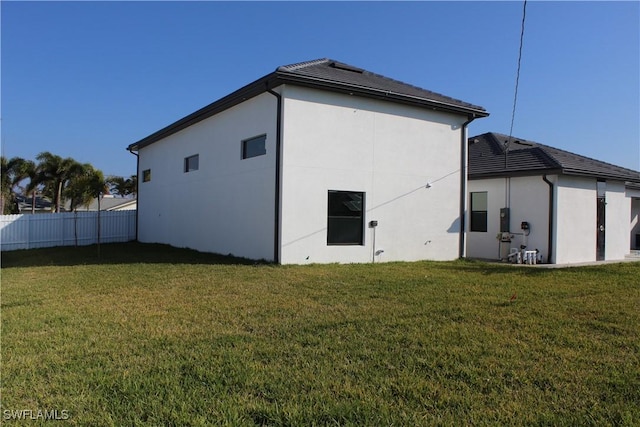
x,y
60,180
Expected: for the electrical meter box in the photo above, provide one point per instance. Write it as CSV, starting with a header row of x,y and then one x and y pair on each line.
x,y
504,220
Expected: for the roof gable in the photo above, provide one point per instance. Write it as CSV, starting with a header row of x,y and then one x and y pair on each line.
x,y
488,158
324,74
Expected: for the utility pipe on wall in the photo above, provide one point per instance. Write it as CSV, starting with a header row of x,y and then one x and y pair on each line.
x,y
463,184
276,227
550,236
137,188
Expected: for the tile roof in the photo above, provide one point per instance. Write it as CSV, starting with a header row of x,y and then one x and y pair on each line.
x,y
341,73
487,159
326,74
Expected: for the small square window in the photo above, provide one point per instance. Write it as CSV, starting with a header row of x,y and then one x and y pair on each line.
x,y
254,147
191,163
146,175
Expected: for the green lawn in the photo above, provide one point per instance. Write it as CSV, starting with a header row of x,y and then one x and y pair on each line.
x,y
150,335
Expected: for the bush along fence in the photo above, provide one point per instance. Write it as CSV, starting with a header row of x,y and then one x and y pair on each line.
x,y
30,231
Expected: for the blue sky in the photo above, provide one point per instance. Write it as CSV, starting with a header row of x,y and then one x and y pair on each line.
x,y
86,79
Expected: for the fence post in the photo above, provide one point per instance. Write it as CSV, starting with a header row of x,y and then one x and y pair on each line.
x,y
61,218
99,226
29,232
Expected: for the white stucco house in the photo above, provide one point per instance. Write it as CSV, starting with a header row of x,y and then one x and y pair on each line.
x,y
567,207
318,161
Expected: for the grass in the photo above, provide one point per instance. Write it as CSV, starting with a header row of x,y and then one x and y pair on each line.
x,y
151,335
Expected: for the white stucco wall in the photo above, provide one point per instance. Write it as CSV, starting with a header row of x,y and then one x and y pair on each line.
x,y
576,220
390,152
528,200
482,244
618,209
227,206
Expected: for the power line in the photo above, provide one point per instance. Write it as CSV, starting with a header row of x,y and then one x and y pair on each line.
x,y
515,96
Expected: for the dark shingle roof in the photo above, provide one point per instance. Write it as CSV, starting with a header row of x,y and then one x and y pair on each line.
x,y
354,77
487,159
329,75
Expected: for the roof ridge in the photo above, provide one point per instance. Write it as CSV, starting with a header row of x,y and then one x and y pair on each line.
x,y
548,151
496,140
514,139
532,145
304,64
550,156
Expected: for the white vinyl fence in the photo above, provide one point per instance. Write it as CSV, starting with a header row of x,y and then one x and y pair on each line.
x,y
29,231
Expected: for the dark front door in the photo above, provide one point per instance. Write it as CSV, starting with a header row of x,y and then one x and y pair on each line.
x,y
600,230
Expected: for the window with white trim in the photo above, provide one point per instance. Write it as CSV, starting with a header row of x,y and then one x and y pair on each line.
x,y
479,211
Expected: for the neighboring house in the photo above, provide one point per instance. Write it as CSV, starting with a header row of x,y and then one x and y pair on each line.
x,y
26,204
568,207
124,205
107,203
315,162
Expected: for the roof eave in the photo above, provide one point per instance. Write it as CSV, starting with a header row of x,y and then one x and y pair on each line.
x,y
587,174
514,174
556,171
315,82
249,91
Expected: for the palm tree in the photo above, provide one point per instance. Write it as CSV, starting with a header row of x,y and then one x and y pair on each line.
x,y
29,170
85,185
132,185
6,171
123,187
117,185
56,172
10,176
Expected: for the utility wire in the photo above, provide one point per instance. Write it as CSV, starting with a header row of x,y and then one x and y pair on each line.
x,y
515,96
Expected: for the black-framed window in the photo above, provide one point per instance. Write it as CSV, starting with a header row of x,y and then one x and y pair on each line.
x,y
254,147
345,218
191,163
479,203
146,175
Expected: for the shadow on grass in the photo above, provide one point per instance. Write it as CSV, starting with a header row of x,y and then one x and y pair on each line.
x,y
493,267
116,253
488,268
151,253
